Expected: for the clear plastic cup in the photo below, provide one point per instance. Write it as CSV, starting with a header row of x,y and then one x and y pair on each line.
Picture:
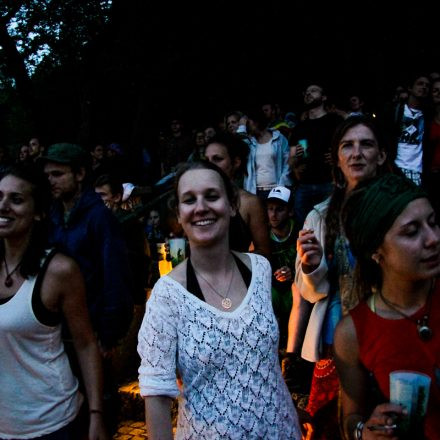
x,y
411,390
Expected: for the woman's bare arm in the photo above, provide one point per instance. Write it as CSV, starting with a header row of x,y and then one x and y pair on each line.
x,y
254,214
158,417
63,290
354,387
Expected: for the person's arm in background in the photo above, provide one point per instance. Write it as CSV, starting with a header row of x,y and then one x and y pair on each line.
x,y
354,388
284,178
311,267
63,290
254,214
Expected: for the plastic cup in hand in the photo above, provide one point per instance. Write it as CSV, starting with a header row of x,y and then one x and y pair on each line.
x,y
304,145
177,250
411,390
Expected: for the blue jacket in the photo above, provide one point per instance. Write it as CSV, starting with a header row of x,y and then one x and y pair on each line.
x,y
93,237
281,149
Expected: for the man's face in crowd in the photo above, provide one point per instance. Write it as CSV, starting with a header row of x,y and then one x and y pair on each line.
x,y
65,184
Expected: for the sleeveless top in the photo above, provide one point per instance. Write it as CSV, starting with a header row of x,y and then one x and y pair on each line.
x,y
39,393
386,345
240,236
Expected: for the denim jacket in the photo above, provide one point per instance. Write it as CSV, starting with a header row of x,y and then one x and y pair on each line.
x,y
281,149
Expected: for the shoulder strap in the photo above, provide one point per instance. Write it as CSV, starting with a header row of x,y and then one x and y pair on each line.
x,y
42,314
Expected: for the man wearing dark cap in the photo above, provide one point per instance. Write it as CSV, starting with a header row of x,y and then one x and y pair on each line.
x,y
82,227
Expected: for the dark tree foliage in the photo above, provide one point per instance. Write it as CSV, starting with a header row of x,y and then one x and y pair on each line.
x,y
114,71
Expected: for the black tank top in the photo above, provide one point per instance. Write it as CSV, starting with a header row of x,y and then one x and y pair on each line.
x,y
240,236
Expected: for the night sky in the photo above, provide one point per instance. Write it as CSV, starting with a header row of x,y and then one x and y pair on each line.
x,y
230,54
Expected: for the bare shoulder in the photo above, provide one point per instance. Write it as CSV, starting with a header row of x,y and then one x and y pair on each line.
x,y
179,273
244,259
250,203
62,268
62,280
248,199
345,328
345,341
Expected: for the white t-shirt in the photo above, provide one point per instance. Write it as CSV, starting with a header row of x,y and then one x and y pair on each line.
x,y
409,147
265,165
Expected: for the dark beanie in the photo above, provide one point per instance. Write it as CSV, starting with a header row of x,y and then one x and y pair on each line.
x,y
371,210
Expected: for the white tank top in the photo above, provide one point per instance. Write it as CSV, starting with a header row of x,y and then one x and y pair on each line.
x,y
38,392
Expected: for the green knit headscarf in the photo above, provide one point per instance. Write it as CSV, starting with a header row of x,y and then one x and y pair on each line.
x,y
371,211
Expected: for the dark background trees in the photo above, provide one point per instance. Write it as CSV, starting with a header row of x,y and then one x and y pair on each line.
x,y
114,70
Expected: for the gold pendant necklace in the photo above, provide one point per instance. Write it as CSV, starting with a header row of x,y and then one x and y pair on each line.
x,y
226,301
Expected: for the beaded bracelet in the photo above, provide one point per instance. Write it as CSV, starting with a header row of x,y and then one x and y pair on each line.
x,y
358,430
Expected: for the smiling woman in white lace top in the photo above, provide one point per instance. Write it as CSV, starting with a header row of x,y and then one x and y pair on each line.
x,y
211,321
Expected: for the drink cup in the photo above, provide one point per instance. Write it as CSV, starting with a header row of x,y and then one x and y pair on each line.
x,y
177,250
304,145
411,390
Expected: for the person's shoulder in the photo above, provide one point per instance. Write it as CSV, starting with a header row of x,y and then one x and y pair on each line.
x,y
345,331
245,258
62,266
248,199
178,274
321,208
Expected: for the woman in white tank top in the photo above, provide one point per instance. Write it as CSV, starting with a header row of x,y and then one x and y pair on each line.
x,y
39,289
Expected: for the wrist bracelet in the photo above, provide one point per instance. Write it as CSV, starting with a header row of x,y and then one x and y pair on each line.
x,y
358,431
96,411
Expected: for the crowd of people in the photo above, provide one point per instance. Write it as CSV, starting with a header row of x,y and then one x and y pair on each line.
x,y
313,252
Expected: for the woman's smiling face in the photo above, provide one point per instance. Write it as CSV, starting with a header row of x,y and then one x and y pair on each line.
x,y
204,209
17,207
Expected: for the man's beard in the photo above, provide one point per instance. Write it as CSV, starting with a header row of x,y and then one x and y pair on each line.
x,y
313,104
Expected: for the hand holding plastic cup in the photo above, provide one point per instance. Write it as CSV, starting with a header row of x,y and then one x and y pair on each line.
x,y
411,390
303,143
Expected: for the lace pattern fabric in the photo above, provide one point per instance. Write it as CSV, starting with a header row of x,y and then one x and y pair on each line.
x,y
228,362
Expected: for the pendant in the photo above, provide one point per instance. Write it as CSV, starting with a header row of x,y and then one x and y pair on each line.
x,y
9,281
226,303
425,333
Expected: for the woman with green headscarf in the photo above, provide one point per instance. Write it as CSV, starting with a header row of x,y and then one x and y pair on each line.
x,y
324,263
395,238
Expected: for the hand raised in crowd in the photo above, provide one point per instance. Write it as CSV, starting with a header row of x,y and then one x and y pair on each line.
x,y
299,150
309,250
283,274
243,120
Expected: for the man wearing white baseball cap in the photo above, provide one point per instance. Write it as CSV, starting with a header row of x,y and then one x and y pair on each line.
x,y
290,309
283,248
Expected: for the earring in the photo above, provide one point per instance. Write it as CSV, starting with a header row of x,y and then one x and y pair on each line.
x,y
376,258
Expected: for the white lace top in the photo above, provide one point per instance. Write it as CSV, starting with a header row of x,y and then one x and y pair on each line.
x,y
228,361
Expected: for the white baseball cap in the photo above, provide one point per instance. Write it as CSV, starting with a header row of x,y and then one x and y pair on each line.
x,y
280,193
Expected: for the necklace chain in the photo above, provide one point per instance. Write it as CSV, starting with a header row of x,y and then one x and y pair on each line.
x,y
8,280
226,301
425,332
